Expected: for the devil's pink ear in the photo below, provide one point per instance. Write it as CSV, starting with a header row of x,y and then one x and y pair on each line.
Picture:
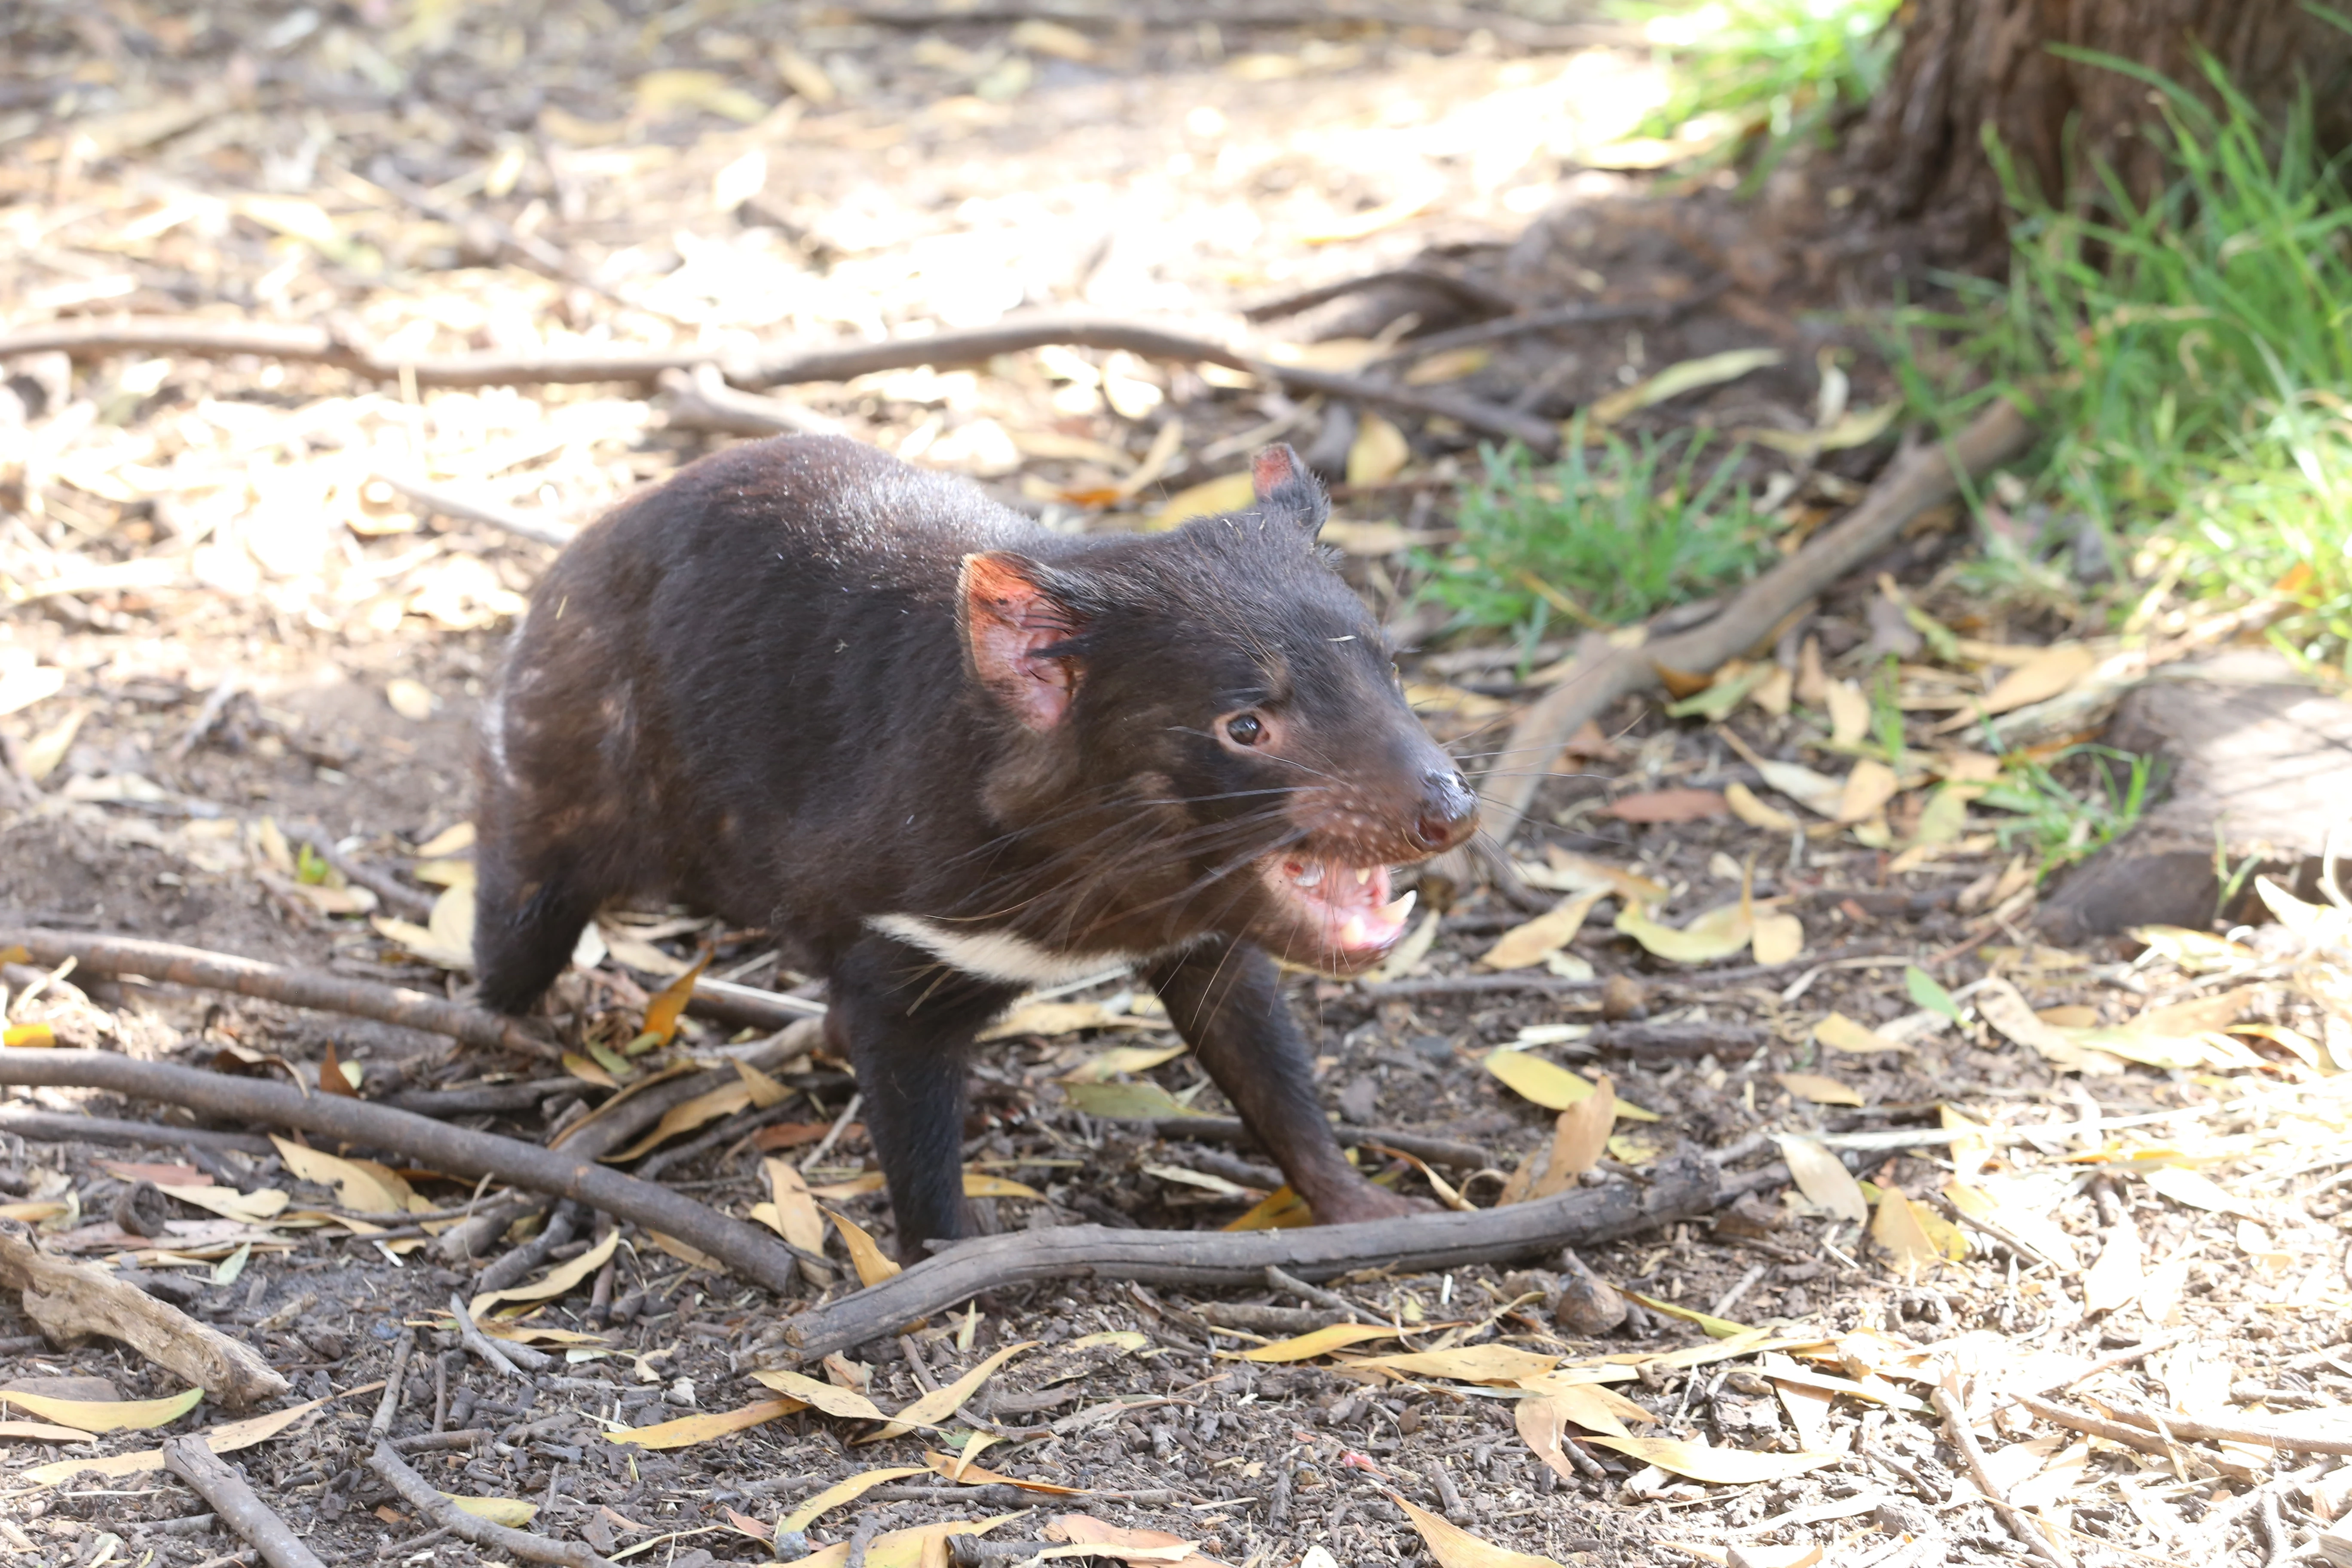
x,y
1284,484
1009,618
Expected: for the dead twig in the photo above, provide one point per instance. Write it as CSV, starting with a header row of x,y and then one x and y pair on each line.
x,y
2195,1431
700,399
2133,1438
1679,1188
389,1406
70,1302
209,339
397,896
464,508
509,1359
421,1495
2021,1524
173,965
757,1255
193,1460
1603,672
63,1127
1467,292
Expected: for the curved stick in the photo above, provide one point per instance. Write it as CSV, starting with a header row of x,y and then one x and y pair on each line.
x,y
1603,672
427,1499
778,366
757,1255
178,965
1679,1188
193,1460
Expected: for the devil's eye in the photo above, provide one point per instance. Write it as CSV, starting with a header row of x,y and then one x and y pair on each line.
x,y
1245,729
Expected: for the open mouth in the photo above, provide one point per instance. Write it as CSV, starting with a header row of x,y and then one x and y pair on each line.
x,y
1348,906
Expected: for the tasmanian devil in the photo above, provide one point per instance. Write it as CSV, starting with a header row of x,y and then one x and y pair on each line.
x,y
945,756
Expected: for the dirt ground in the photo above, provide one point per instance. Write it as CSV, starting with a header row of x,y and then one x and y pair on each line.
x,y
227,636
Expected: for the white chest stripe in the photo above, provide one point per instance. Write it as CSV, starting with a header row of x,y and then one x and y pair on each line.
x,y
996,955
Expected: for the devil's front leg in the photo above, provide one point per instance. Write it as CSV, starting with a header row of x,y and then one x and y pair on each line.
x,y
906,1027
1226,999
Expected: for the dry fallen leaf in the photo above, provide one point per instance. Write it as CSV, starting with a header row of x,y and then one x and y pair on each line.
x,y
512,1512
1502,1364
1454,1547
840,1492
105,1414
1379,453
1320,1342
1125,1544
1849,713
846,1403
1717,934
222,1439
1823,1177
356,1186
944,1401
2053,670
564,1277
920,1546
1579,1137
1546,935
2197,1192
1726,1467
1686,375
1549,1085
865,1255
1866,790
2117,1275
1754,812
708,1106
702,1427
1780,937
1816,1089
1234,492
1667,805
960,1469
1896,1227
1841,1033
796,1217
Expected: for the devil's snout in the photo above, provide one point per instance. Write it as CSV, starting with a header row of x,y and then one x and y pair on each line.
x,y
1449,808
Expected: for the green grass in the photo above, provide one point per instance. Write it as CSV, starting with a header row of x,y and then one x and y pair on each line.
x,y
2062,825
1609,534
1783,71
2190,358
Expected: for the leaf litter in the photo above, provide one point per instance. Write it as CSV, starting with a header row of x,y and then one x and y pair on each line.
x,y
2193,1146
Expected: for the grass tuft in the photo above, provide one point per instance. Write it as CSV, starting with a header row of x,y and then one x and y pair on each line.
x,y
2193,357
1612,533
1781,72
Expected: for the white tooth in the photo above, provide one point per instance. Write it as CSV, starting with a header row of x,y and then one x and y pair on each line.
x,y
1311,876
1396,909
1363,874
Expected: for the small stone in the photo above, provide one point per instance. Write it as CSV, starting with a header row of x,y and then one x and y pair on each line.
x,y
1588,1305
1623,997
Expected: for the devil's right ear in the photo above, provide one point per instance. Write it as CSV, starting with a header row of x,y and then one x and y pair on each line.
x,y
1285,484
1009,618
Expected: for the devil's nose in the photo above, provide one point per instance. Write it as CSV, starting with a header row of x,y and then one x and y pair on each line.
x,y
1448,807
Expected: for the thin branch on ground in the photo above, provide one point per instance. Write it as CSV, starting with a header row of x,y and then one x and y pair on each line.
x,y
758,1255
429,1503
1680,1188
1604,672
2135,1437
169,963
236,1504
779,366
2021,1524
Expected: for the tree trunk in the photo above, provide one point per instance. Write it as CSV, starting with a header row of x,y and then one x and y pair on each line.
x,y
1967,64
